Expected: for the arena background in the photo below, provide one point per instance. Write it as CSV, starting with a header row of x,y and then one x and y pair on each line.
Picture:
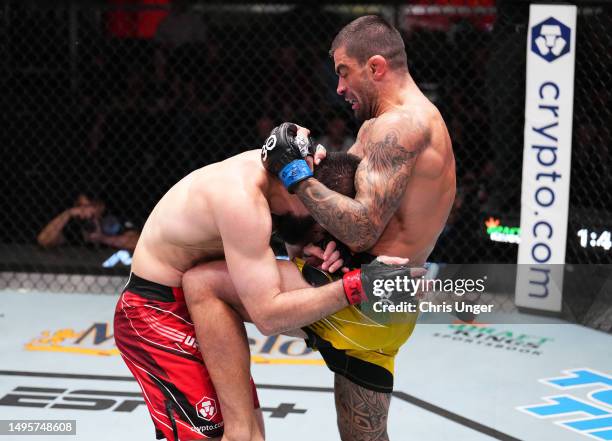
x,y
121,98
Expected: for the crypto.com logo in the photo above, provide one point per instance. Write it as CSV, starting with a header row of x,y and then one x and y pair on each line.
x,y
550,39
206,408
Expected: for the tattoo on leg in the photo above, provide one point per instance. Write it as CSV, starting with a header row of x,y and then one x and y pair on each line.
x,y
362,413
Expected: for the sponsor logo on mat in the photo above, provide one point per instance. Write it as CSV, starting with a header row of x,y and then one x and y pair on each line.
x,y
98,340
583,404
497,338
61,398
113,401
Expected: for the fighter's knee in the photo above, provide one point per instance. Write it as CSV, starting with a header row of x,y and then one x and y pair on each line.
x,y
264,328
198,282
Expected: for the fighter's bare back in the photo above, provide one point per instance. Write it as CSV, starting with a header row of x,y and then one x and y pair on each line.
x,y
181,230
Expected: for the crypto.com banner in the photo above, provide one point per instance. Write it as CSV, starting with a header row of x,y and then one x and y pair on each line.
x,y
551,46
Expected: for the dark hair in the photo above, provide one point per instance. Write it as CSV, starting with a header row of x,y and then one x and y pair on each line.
x,y
371,35
92,195
337,172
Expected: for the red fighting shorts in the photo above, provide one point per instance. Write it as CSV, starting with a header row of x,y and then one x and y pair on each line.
x,y
156,338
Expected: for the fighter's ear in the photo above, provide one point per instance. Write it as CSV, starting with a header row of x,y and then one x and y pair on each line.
x,y
378,66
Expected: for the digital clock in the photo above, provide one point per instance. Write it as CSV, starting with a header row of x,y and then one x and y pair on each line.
x,y
595,239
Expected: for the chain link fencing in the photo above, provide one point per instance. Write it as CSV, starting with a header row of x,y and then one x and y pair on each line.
x,y
118,100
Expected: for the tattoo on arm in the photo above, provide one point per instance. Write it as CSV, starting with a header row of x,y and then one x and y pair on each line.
x,y
344,217
362,413
380,181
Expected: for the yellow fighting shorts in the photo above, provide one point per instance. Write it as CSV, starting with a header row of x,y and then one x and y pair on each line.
x,y
353,344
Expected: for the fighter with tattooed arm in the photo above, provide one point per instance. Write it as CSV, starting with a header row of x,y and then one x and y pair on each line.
x,y
404,190
405,183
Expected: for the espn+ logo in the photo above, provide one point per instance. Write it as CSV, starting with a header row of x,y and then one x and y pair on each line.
x,y
591,417
61,398
550,39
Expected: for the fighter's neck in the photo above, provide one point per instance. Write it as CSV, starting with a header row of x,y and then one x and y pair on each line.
x,y
395,95
279,199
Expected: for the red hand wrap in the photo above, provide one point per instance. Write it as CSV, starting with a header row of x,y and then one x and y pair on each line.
x,y
353,289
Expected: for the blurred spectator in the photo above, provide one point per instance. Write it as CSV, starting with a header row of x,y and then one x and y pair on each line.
x,y
336,138
486,176
291,93
88,221
442,14
159,89
132,97
263,126
463,226
218,93
181,26
135,18
97,76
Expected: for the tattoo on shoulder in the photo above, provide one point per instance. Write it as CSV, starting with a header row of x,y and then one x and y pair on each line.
x,y
386,171
381,177
364,131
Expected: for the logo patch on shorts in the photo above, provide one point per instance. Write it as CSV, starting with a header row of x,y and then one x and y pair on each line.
x,y
206,408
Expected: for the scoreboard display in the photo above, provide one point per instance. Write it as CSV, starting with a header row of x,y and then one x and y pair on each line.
x,y
589,239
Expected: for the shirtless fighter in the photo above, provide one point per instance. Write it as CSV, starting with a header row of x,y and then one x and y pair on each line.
x,y
405,187
222,210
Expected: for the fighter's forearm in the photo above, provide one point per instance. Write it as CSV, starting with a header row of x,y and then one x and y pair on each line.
x,y
297,308
51,234
345,218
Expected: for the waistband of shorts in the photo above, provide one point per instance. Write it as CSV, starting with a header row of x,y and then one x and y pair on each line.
x,y
153,290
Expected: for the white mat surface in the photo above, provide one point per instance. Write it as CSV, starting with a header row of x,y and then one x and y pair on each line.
x,y
456,383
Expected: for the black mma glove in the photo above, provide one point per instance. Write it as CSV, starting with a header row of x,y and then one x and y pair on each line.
x,y
283,155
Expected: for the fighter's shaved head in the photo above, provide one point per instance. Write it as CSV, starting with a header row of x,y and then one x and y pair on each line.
x,y
371,35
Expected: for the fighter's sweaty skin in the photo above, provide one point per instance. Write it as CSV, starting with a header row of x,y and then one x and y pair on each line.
x,y
405,185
